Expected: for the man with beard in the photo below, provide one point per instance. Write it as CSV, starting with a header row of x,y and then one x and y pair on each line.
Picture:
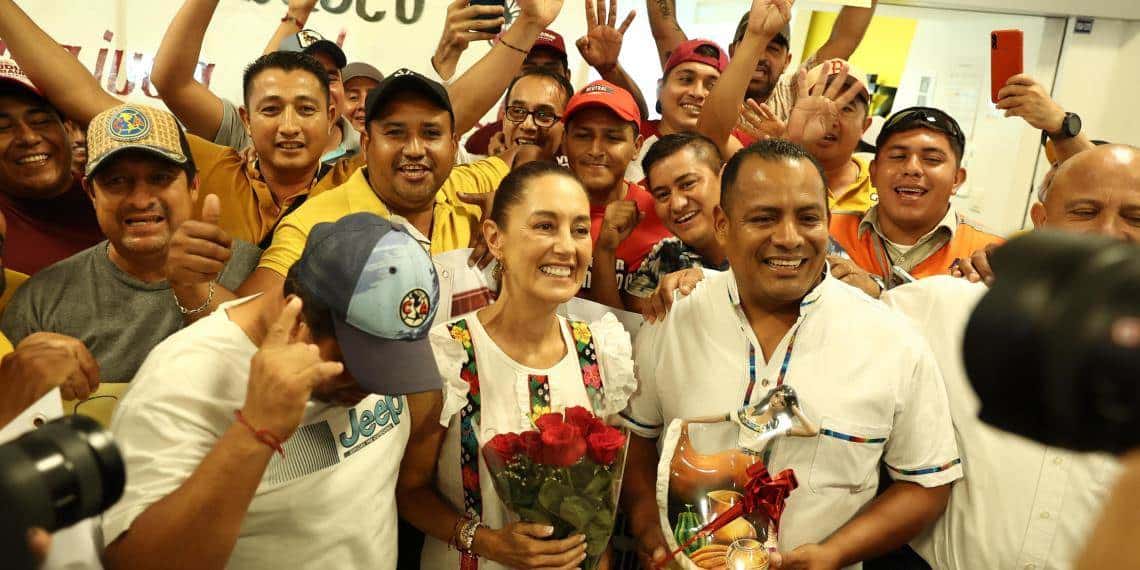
x,y
776,318
756,75
1023,504
114,296
270,437
49,216
767,83
914,229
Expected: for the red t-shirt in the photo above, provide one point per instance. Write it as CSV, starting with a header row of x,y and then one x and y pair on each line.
x,y
632,251
42,232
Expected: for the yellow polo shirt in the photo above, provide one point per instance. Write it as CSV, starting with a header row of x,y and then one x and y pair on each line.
x,y
453,220
249,209
12,281
859,196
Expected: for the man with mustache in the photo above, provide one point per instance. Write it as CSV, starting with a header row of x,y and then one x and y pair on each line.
x,y
114,296
768,93
1023,504
49,215
914,229
777,318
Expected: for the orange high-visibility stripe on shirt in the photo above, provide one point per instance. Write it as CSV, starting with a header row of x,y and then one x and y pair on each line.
x,y
868,252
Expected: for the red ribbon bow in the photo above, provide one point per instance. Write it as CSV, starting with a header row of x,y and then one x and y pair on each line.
x,y
762,492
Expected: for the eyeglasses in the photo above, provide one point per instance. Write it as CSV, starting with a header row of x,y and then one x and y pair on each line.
x,y
543,119
928,116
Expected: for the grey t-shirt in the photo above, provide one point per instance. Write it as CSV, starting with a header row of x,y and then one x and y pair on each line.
x,y
232,133
117,317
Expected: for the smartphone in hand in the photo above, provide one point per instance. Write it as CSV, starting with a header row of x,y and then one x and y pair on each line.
x,y
502,3
1006,58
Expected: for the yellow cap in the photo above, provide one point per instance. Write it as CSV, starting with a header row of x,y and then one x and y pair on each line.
x,y
137,127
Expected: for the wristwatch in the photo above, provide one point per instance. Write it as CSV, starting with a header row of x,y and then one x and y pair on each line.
x,y
1070,127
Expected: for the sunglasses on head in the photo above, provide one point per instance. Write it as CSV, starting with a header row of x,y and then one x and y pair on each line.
x,y
928,116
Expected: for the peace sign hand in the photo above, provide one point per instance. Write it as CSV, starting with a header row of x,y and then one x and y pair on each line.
x,y
283,373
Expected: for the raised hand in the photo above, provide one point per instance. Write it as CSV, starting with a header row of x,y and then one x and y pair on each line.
x,y
1024,97
621,217
283,373
539,12
758,121
199,249
602,43
768,17
817,109
463,26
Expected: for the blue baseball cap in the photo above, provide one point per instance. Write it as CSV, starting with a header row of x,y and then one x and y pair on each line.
x,y
382,289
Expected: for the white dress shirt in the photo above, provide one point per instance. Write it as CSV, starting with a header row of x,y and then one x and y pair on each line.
x,y
1022,505
860,371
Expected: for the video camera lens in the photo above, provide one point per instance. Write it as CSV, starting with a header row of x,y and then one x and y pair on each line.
x,y
1053,350
53,477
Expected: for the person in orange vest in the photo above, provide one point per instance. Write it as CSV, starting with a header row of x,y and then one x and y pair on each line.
x,y
914,231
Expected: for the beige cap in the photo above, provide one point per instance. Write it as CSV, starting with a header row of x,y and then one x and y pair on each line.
x,y
133,126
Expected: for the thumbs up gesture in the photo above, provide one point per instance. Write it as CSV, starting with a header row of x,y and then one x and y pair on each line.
x,y
199,249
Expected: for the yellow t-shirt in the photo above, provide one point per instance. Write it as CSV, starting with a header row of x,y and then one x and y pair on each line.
x,y
12,281
249,208
859,196
453,221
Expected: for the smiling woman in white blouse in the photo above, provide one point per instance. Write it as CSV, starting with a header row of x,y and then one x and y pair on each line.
x,y
505,365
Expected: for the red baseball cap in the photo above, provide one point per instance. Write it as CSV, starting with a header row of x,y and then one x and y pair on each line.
x,y
11,73
550,39
687,52
602,93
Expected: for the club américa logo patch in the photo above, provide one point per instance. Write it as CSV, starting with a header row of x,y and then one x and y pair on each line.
x,y
129,124
415,308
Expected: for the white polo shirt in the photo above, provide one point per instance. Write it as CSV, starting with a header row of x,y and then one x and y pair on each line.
x,y
1022,505
861,372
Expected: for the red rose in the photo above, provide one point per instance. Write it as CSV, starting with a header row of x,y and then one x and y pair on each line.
x,y
531,443
580,418
505,446
564,445
604,445
547,421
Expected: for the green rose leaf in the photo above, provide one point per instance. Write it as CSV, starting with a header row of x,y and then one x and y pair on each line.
x,y
552,494
577,511
599,486
534,516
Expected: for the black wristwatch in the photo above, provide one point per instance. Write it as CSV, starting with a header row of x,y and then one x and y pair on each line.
x,y
1070,127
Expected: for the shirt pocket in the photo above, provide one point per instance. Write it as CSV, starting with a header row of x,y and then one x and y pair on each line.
x,y
847,456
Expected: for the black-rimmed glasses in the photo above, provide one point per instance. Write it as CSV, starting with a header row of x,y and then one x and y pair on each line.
x,y
542,119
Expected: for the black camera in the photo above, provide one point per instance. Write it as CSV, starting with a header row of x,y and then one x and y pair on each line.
x,y
53,477
1053,350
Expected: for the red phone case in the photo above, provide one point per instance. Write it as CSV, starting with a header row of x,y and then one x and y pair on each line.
x,y
1006,58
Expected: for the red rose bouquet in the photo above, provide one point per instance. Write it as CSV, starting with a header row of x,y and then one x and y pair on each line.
x,y
566,474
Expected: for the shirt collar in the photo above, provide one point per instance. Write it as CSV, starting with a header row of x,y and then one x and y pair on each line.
x,y
948,223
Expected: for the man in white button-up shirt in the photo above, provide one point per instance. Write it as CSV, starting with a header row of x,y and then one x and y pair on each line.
x,y
861,372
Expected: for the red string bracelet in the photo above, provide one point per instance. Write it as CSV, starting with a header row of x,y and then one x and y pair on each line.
x,y
262,435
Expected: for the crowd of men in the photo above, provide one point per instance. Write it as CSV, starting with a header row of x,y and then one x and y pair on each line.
x,y
743,224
